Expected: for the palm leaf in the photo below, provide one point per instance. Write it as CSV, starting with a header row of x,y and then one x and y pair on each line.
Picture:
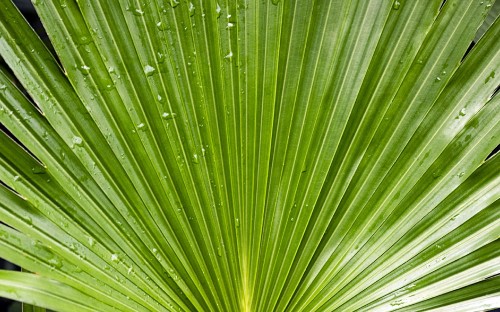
x,y
251,156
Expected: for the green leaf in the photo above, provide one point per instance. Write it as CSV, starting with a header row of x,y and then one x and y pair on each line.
x,y
202,155
35,289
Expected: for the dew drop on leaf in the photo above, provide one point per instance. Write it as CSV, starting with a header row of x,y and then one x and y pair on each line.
x,y
78,141
161,26
218,10
55,262
166,115
85,69
149,70
191,9
38,170
195,159
396,5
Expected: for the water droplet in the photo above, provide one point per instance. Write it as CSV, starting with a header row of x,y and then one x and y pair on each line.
x,y
161,26
84,40
91,242
237,222
461,174
78,141
195,159
292,219
438,79
174,3
55,263
229,55
85,69
203,150
218,10
138,12
396,5
3,87
111,69
191,9
109,87
141,126
16,178
219,251
462,112
38,170
63,4
149,70
161,57
397,302
114,257
229,25
166,115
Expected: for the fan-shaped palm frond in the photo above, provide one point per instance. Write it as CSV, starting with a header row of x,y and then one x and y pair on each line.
x,y
251,156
